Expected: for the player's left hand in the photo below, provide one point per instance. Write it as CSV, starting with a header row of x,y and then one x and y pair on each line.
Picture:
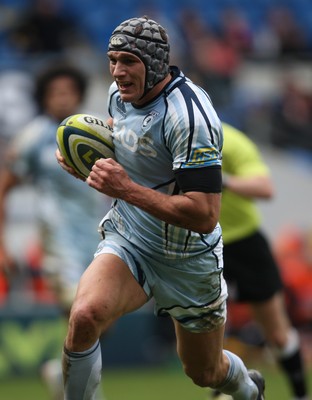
x,y
109,177
66,167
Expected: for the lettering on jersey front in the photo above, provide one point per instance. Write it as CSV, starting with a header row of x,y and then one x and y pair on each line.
x,y
148,120
135,143
121,108
146,147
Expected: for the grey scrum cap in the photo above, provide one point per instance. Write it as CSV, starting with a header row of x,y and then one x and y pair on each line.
x,y
148,40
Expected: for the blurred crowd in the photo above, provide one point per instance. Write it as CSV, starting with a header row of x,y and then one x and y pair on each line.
x,y
264,29
253,59
220,39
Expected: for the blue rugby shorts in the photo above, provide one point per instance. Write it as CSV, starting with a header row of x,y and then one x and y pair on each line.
x,y
192,290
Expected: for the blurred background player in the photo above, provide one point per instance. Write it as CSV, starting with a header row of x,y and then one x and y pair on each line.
x,y
249,267
66,208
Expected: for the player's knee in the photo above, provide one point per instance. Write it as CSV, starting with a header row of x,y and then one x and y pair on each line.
x,y
85,318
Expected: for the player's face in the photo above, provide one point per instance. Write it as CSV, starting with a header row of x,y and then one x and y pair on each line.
x,y
62,98
129,73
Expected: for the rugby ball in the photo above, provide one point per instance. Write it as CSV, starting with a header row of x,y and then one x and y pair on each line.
x,y
82,139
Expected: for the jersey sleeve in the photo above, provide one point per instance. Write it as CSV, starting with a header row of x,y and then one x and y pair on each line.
x,y
193,130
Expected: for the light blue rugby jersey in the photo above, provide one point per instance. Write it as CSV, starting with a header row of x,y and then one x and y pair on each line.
x,y
66,207
178,129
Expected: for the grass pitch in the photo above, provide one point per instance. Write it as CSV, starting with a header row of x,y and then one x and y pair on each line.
x,y
168,383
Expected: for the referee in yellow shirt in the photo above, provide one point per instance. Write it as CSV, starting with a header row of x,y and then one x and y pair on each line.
x,y
249,266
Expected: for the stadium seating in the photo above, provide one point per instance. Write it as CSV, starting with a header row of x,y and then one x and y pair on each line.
x,y
97,18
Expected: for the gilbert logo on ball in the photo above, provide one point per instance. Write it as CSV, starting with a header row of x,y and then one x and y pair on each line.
x,y
83,139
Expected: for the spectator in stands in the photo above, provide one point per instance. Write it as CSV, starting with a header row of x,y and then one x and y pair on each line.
x,y
236,30
291,120
281,36
43,29
212,58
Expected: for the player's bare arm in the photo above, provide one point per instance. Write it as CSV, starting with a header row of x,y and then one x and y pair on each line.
x,y
196,211
256,186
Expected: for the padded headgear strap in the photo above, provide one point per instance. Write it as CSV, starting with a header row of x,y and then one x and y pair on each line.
x,y
147,40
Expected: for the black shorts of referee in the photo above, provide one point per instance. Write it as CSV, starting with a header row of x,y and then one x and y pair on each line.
x,y
250,269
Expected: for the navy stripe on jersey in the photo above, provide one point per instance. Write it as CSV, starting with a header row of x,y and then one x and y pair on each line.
x,y
210,247
110,102
176,190
201,109
187,94
190,96
206,94
177,84
187,239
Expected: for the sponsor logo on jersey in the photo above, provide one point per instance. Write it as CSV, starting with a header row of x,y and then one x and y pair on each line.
x,y
148,120
121,108
204,155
